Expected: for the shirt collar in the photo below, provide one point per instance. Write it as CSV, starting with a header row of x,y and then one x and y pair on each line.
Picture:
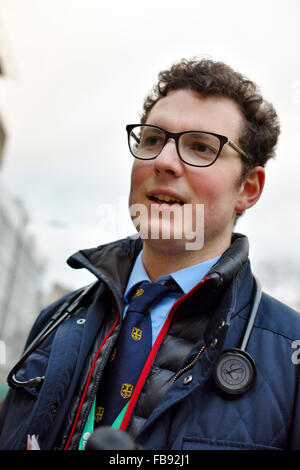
x,y
186,278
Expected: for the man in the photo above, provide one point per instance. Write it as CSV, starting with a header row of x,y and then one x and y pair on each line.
x,y
200,152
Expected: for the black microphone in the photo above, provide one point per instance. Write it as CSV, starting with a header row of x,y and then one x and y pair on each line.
x,y
107,438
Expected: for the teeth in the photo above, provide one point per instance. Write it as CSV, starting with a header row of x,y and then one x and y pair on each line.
x,y
164,197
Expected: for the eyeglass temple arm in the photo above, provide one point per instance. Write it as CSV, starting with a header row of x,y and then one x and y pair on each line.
x,y
135,137
237,149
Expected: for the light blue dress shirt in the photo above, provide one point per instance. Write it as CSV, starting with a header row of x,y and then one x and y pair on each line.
x,y
186,278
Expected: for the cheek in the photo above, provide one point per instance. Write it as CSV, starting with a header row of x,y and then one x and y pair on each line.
x,y
138,177
215,188
206,185
140,171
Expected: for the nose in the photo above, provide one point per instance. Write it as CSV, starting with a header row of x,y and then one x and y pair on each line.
x,y
168,160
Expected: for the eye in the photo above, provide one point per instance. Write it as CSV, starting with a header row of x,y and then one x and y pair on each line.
x,y
152,140
201,147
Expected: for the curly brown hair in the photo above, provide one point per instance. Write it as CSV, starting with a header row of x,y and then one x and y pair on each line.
x,y
209,78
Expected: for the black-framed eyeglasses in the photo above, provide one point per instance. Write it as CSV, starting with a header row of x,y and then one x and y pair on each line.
x,y
195,148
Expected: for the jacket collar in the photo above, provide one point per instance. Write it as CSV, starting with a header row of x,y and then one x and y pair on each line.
x,y
112,263
232,260
106,261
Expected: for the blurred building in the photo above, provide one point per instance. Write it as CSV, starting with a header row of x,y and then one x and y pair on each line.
x,y
2,139
2,131
56,292
21,269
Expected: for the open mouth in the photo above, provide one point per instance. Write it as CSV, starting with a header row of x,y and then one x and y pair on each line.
x,y
165,199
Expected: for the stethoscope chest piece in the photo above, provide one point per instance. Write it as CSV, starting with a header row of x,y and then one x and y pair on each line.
x,y
234,372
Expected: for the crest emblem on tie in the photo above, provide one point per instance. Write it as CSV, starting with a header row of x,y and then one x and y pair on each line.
x,y
126,390
99,414
136,334
139,292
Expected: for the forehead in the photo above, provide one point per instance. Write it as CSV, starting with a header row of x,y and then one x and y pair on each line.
x,y
183,110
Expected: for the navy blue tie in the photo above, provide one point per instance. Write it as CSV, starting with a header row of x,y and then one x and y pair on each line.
x,y
130,354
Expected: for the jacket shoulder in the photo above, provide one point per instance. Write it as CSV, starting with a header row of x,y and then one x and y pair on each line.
x,y
278,317
47,313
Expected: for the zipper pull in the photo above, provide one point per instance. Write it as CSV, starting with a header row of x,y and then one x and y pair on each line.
x,y
190,365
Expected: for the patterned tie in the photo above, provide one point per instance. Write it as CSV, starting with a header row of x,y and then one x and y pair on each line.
x,y
131,351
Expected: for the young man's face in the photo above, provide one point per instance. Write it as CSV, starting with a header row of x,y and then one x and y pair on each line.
x,y
216,187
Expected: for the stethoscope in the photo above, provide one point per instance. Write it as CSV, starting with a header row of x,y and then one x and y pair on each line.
x,y
234,372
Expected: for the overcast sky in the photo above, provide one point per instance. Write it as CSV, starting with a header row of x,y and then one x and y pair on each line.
x,y
77,73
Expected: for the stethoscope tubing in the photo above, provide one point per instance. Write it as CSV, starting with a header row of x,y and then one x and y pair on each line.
x,y
66,310
253,314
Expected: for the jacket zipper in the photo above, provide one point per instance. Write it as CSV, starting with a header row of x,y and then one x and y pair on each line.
x,y
91,398
66,447
190,365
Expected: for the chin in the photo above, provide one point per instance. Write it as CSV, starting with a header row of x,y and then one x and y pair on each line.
x,y
166,247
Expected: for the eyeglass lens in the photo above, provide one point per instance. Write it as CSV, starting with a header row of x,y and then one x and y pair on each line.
x,y
196,148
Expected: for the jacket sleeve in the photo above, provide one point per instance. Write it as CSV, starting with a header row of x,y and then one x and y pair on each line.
x,y
14,413
18,404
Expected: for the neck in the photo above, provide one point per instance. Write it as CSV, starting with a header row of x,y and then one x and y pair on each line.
x,y
161,258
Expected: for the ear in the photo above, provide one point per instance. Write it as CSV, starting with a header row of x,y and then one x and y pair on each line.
x,y
251,189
